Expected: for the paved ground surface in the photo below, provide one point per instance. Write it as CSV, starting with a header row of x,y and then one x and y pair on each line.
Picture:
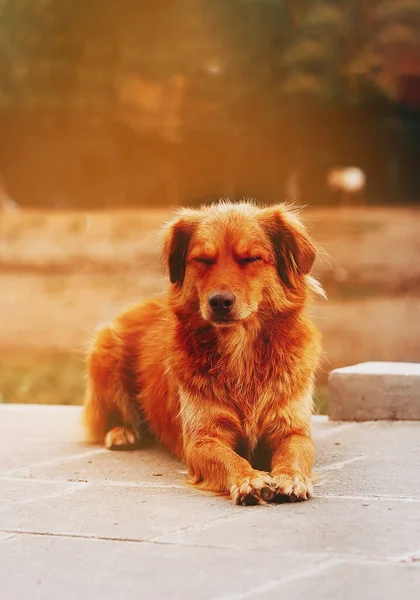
x,y
79,522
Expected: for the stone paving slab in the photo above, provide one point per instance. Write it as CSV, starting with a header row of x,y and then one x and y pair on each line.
x,y
16,492
72,568
343,527
77,521
344,581
386,439
118,512
373,459
26,442
158,468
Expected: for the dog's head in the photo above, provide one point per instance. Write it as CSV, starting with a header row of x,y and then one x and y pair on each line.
x,y
232,261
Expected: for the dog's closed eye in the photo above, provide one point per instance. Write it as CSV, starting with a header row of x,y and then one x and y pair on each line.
x,y
204,261
249,259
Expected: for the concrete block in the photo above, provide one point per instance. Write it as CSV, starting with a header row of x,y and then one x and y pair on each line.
x,y
375,391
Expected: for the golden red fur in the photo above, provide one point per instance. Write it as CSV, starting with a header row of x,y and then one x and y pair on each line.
x,y
221,369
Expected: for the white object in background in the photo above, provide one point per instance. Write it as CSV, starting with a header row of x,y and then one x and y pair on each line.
x,y
346,179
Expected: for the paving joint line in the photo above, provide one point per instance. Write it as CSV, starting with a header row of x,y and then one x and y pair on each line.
x,y
366,498
233,516
85,484
96,482
340,464
55,461
72,490
274,584
327,557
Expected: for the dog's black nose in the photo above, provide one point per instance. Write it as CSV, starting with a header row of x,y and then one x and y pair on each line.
x,y
221,302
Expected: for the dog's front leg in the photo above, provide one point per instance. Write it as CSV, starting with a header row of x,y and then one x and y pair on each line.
x,y
292,463
211,435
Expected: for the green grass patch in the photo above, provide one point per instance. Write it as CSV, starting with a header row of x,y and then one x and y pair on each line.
x,y
41,378
321,399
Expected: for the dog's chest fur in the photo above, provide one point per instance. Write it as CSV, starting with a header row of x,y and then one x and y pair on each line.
x,y
252,378
250,374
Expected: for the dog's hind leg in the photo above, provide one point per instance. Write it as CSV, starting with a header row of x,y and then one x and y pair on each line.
x,y
112,414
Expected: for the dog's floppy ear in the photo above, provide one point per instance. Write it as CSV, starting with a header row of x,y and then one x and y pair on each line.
x,y
295,253
176,238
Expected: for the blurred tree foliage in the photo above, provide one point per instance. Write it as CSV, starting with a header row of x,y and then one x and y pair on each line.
x,y
217,64
71,52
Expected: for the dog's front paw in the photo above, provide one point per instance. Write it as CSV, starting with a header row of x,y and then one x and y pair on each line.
x,y
121,438
292,487
256,489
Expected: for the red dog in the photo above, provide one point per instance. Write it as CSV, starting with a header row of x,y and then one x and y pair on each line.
x,y
222,369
